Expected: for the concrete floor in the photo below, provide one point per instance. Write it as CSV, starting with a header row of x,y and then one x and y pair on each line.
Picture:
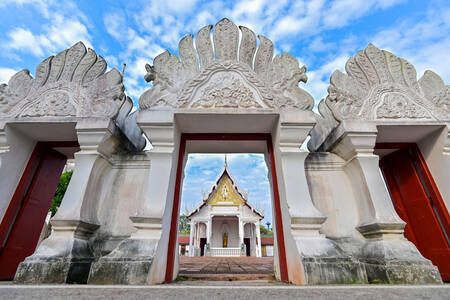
x,y
223,290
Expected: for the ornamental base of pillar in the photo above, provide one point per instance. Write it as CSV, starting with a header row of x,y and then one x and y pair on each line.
x,y
324,262
390,258
397,262
65,257
128,264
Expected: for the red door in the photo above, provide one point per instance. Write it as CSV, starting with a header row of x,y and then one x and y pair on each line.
x,y
24,219
419,203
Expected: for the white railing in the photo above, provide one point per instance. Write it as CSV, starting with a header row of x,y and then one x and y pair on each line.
x,y
225,251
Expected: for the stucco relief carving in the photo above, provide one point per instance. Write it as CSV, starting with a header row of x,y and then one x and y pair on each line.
x,y
72,83
379,86
397,106
53,104
226,91
276,79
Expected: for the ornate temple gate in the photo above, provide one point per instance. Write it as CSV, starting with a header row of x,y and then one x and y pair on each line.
x,y
335,213
418,202
25,216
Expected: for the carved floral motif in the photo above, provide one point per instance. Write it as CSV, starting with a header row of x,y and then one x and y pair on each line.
x,y
397,106
276,79
52,104
72,83
371,75
380,86
226,91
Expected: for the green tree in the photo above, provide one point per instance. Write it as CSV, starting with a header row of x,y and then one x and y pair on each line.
x,y
264,230
60,191
183,225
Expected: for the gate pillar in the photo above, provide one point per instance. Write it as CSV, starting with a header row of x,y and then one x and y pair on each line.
x,y
72,98
131,260
379,92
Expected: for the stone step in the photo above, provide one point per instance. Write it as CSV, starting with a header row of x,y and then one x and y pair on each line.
x,y
225,277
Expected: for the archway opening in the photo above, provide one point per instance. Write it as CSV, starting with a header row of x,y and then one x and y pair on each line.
x,y
220,219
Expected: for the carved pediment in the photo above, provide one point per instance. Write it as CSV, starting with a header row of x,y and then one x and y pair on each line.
x,y
379,78
71,84
235,74
379,86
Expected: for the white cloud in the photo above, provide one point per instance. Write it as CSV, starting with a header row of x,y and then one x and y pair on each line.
x,y
425,44
6,74
318,79
41,5
24,39
341,12
61,33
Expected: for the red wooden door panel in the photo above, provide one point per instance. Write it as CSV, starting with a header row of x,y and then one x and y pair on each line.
x,y
415,203
26,221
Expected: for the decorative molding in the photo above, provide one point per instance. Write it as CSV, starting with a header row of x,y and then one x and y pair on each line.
x,y
71,84
379,86
269,83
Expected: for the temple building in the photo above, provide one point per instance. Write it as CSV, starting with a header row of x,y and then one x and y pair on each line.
x,y
225,223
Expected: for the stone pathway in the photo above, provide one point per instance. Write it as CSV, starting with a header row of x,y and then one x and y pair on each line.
x,y
223,290
226,268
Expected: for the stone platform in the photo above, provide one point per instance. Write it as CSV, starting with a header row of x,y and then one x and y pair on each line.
x,y
223,290
226,268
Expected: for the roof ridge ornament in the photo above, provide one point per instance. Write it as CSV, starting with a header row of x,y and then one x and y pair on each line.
x,y
379,86
229,73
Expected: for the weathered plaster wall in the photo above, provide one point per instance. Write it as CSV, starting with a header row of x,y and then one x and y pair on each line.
x,y
432,149
12,164
332,193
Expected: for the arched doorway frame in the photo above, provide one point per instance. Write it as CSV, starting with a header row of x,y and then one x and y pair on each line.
x,y
182,155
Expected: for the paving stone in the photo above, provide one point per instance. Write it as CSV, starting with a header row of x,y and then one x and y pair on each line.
x,y
226,268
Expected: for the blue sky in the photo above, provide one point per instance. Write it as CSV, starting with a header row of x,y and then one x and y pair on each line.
x,y
321,34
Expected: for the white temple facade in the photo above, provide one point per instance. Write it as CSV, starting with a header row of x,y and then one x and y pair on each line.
x,y
225,223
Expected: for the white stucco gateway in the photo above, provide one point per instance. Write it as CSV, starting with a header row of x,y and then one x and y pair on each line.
x,y
368,203
225,223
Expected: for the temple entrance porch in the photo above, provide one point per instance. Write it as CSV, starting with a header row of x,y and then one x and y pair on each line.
x,y
224,236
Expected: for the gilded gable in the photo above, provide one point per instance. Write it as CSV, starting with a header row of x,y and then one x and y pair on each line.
x,y
225,194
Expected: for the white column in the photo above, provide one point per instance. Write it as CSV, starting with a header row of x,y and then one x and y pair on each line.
x,y
241,232
208,230
191,239
258,240
197,229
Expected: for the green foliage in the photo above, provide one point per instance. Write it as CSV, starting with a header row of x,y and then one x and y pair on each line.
x,y
264,230
60,191
183,225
